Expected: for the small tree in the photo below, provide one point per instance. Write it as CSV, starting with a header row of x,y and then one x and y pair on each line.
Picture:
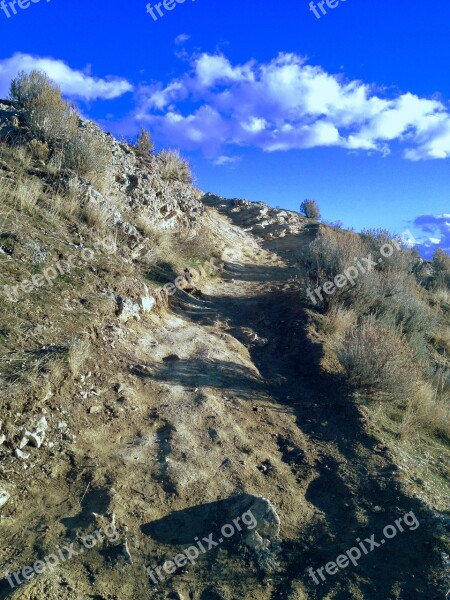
x,y
310,209
144,143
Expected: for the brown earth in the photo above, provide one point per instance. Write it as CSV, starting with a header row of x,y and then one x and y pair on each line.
x,y
222,397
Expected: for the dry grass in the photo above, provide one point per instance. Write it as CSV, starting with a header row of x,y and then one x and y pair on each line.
x,y
172,167
23,193
78,354
98,217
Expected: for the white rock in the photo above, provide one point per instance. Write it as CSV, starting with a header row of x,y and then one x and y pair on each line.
x,y
148,303
4,497
21,455
42,423
24,441
2,439
37,437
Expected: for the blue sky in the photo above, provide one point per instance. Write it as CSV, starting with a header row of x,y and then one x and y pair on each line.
x,y
267,101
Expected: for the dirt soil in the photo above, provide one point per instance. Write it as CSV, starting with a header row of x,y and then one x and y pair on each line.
x,y
180,414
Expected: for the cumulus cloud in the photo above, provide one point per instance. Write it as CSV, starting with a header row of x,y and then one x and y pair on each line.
x,y
72,82
288,104
437,230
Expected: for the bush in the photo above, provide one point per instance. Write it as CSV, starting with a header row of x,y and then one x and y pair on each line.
x,y
50,118
39,150
27,87
144,143
441,268
331,253
172,167
380,360
310,209
85,153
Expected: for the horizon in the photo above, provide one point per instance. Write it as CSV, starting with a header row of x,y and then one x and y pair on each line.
x,y
302,107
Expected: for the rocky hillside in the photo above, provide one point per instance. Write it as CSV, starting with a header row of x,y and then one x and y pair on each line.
x,y
171,425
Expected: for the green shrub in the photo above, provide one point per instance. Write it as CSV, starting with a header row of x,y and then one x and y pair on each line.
x,y
172,167
310,209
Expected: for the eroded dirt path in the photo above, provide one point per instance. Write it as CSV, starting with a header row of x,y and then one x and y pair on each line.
x,y
222,397
348,478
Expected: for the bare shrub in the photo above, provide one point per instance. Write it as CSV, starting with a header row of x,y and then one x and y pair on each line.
x,y
441,267
310,209
50,118
39,150
338,321
27,86
379,360
86,154
331,253
144,143
172,167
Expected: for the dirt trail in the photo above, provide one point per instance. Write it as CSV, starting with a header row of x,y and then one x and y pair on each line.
x,y
224,396
355,488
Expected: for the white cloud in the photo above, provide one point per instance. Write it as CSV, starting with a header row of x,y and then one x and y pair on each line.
x,y
72,82
226,160
287,104
180,39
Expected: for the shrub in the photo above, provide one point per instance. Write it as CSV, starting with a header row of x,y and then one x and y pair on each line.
x,y
27,87
85,153
50,118
441,267
172,167
39,150
310,209
330,254
380,360
144,143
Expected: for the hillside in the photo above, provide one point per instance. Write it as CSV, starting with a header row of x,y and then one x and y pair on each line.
x,y
139,417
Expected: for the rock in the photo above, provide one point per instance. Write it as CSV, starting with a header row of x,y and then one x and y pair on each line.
x,y
148,301
2,439
126,553
4,498
127,310
264,539
25,439
95,410
42,423
171,358
37,437
21,455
